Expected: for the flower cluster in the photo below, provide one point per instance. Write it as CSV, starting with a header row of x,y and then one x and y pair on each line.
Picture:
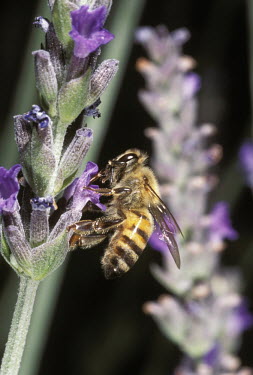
x,y
206,315
52,139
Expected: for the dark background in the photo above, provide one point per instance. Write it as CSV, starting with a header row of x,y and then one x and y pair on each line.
x,y
98,326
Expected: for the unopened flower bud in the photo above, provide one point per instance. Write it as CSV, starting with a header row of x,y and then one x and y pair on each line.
x,y
23,132
101,79
73,157
55,49
20,248
46,80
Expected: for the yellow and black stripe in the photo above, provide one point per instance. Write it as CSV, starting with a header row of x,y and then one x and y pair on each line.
x,y
127,243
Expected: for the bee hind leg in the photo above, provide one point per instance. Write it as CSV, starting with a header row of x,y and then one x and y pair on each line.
x,y
84,235
85,241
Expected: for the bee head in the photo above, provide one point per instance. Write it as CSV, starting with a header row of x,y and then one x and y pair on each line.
x,y
127,162
124,163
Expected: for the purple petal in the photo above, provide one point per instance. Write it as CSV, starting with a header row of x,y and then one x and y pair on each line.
x,y
157,243
80,195
9,188
157,240
220,226
191,85
211,357
87,30
143,34
37,115
86,22
242,317
181,36
43,203
239,319
246,160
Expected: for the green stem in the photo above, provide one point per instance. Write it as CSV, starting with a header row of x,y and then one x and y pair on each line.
x,y
19,327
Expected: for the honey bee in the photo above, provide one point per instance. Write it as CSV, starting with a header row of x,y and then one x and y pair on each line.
x,y
129,218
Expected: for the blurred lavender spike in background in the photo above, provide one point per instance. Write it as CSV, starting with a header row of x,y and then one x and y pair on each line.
x,y
210,315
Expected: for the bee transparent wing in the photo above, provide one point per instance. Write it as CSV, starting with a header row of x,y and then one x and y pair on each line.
x,y
166,222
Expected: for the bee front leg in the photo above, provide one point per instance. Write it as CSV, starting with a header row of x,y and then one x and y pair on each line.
x,y
107,192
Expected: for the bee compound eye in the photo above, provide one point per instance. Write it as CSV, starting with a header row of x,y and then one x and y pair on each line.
x,y
128,158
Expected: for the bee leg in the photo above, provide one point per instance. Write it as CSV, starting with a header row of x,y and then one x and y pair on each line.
x,y
106,223
104,173
88,233
107,192
82,227
124,191
84,234
85,241
102,191
99,226
100,174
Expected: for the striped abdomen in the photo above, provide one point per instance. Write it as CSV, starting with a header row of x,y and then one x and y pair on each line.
x,y
127,243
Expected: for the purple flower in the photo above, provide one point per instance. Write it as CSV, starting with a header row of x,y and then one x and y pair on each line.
x,y
43,203
38,116
157,240
191,85
212,356
220,225
157,243
80,195
246,160
9,188
87,30
240,319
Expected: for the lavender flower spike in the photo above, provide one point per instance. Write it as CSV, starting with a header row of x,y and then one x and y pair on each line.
x,y
9,188
87,30
80,195
207,315
52,140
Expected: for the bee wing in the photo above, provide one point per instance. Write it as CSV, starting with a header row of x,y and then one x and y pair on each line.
x,y
166,222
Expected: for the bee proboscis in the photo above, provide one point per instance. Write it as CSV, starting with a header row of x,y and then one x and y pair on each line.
x,y
129,218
